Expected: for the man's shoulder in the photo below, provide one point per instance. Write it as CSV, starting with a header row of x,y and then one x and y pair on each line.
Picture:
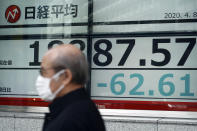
x,y
85,104
82,115
83,109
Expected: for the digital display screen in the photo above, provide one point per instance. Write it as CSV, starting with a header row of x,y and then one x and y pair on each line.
x,y
142,54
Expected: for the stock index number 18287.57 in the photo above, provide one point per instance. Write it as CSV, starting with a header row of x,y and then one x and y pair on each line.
x,y
109,46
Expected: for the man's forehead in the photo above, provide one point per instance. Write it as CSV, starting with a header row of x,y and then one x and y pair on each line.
x,y
48,59
46,62
64,50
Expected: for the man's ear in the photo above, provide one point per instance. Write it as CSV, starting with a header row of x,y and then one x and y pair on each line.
x,y
67,77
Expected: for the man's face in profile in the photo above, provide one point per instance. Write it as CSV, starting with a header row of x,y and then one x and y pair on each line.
x,y
48,71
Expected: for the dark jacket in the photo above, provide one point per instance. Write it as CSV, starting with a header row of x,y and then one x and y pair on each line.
x,y
73,112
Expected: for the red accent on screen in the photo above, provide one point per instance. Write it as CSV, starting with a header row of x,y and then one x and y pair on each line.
x,y
109,104
147,105
15,101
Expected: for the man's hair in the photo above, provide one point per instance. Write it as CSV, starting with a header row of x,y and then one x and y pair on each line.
x,y
76,63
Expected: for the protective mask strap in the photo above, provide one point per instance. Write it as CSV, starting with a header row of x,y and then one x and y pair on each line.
x,y
58,90
56,76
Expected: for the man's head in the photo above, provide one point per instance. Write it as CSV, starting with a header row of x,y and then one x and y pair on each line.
x,y
71,61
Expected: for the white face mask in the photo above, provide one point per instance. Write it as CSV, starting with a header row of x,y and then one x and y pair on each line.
x,y
43,87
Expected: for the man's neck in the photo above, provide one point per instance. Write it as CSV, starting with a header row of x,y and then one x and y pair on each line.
x,y
69,88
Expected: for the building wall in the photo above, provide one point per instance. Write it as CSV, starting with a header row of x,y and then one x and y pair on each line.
x,y
16,121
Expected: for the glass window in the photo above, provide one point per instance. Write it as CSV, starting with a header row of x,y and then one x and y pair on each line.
x,y
142,54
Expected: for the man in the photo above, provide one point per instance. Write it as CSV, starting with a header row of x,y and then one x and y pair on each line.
x,y
64,71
